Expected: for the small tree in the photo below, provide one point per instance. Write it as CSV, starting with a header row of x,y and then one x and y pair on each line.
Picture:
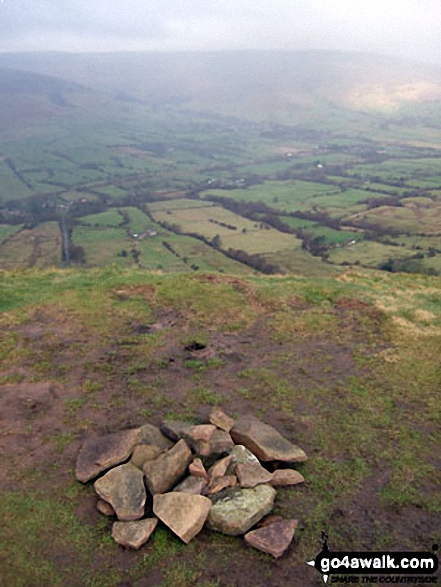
x,y
216,242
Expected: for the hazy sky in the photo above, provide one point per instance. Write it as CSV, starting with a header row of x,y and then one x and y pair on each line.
x,y
409,28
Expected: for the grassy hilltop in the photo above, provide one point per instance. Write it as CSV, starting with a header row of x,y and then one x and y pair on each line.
x,y
345,366
245,201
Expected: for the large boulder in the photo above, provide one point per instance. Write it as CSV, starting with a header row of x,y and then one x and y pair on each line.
x,y
166,470
103,452
133,534
235,511
265,442
273,538
184,514
123,487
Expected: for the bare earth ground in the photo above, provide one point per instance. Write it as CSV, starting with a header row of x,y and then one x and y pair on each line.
x,y
326,368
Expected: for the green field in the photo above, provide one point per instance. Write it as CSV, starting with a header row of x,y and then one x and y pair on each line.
x,y
241,234
367,253
40,247
6,230
111,218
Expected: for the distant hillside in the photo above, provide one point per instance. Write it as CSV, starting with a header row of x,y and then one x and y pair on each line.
x,y
246,81
28,97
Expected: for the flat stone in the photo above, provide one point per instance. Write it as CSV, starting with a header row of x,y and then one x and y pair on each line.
x,y
198,437
103,452
282,477
269,520
105,508
143,453
220,467
133,534
265,442
273,538
220,443
184,514
236,510
197,469
252,474
221,420
174,429
149,434
193,486
203,432
167,469
123,487
220,483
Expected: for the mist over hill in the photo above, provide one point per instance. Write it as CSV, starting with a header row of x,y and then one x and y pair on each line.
x,y
250,82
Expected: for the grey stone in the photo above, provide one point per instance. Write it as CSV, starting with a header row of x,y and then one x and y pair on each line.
x,y
273,538
133,534
265,442
184,514
103,452
242,456
123,487
166,470
236,510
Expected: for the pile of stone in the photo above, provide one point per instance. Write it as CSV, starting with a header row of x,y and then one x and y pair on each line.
x,y
189,476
